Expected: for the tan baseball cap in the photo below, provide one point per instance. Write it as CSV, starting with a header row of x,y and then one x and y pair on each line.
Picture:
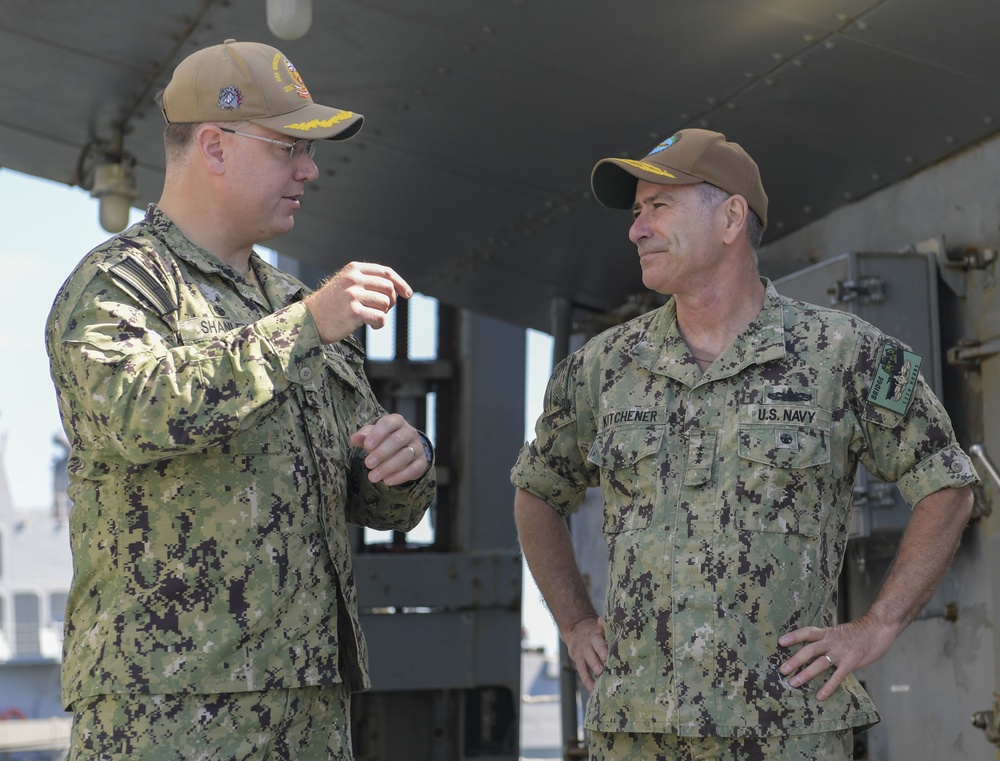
x,y
250,81
685,158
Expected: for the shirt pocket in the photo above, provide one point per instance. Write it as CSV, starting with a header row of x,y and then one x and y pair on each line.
x,y
627,457
345,366
783,454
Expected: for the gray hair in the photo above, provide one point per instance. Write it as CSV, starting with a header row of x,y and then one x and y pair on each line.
x,y
712,196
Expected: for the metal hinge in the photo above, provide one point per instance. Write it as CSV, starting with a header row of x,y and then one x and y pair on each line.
x,y
969,353
865,290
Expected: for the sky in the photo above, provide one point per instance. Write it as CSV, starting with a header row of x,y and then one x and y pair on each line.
x,y
45,229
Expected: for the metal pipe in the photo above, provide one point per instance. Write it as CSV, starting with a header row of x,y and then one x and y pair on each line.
x,y
560,311
978,452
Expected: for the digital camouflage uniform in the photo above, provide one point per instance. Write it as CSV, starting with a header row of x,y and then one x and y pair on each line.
x,y
727,497
211,476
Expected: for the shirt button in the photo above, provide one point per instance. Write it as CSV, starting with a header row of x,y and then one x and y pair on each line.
x,y
956,466
306,374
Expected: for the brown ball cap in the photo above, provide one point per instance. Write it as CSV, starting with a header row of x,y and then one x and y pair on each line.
x,y
250,81
686,158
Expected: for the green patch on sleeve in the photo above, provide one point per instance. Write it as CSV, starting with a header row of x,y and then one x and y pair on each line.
x,y
895,378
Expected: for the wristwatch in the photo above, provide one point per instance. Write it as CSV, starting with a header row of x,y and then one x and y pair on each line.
x,y
428,450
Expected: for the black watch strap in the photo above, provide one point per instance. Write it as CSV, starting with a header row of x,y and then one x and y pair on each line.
x,y
428,449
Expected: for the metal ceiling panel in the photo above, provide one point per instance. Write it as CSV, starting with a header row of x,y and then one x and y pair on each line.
x,y
960,37
848,119
484,119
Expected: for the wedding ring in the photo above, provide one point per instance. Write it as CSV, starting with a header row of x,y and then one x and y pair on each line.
x,y
829,659
413,452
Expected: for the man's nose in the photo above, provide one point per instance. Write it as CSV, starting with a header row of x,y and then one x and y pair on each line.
x,y
639,228
307,168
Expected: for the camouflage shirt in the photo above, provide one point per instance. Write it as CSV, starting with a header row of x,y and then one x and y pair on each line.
x,y
211,475
727,498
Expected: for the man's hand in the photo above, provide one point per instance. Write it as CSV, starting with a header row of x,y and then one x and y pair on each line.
x,y
588,649
395,451
840,649
359,294
925,551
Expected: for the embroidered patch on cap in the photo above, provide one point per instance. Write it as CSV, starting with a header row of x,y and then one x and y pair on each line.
x,y
651,168
230,98
895,378
665,144
321,123
300,86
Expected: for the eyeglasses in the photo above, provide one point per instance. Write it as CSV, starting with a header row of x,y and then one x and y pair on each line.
x,y
296,150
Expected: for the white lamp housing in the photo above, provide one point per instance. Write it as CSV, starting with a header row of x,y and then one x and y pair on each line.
x,y
289,19
114,191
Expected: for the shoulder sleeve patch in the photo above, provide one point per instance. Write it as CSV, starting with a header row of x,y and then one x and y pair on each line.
x,y
895,378
143,285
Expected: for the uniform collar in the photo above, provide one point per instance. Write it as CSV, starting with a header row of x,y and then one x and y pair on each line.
x,y
661,349
279,288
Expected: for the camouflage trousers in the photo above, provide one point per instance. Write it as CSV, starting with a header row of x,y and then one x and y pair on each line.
x,y
306,724
649,746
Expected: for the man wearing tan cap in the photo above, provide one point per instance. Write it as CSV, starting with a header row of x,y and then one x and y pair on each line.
x,y
724,430
223,435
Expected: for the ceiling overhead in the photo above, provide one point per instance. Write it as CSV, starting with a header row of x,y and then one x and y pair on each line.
x,y
484,118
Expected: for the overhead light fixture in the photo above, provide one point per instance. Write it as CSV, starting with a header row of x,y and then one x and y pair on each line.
x,y
115,191
289,19
112,184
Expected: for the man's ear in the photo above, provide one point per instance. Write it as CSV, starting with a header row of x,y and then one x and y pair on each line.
x,y
210,148
736,213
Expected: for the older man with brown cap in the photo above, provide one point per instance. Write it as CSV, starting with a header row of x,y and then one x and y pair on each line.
x,y
223,435
724,430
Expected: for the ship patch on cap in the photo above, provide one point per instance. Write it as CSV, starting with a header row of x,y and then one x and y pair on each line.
x,y
297,83
230,98
665,144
